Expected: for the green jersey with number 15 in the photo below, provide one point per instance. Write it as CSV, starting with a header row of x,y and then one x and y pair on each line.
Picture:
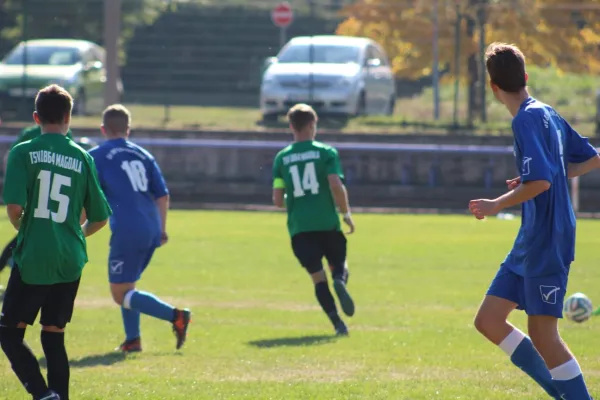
x,y
53,179
302,169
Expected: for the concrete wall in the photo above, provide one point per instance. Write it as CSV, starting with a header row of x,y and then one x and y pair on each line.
x,y
376,178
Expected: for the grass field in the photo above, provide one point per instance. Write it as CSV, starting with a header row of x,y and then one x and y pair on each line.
x,y
259,334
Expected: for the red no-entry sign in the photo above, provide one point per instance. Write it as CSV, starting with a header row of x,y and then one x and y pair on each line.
x,y
282,15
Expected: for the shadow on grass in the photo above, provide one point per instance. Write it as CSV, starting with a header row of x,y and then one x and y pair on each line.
x,y
311,340
94,360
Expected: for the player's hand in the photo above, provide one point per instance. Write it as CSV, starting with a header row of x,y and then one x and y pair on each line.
x,y
348,221
481,208
164,238
513,183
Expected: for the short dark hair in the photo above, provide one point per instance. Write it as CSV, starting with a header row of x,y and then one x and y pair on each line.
x,y
53,104
506,65
301,115
116,118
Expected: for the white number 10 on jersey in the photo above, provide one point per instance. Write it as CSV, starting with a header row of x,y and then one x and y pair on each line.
x,y
136,172
309,180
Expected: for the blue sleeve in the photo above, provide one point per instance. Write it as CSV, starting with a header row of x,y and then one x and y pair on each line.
x,y
579,148
98,162
535,163
158,187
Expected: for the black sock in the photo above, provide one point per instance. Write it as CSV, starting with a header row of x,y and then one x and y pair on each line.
x,y
22,360
53,344
327,302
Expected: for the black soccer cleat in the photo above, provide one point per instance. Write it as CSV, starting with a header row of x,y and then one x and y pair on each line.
x,y
130,346
341,329
344,297
180,326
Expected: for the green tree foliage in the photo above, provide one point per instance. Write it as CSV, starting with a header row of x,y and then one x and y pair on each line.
x,y
77,19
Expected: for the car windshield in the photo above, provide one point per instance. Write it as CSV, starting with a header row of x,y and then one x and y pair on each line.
x,y
325,54
43,55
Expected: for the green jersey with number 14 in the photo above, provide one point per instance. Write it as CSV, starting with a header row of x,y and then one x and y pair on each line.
x,y
302,169
53,179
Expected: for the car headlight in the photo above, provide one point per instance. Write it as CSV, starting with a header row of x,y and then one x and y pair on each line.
x,y
269,82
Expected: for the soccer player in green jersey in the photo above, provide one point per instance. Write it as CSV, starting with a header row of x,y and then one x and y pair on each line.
x,y
49,180
27,134
308,182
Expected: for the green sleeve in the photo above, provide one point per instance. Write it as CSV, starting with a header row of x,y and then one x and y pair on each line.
x,y
15,180
278,182
25,135
334,166
95,204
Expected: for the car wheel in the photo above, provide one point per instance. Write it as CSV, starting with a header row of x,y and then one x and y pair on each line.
x,y
391,106
80,106
361,105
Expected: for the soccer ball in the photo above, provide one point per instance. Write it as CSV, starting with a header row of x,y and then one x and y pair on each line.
x,y
578,308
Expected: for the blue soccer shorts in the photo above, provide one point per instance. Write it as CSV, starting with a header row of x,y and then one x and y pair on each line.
x,y
126,265
543,295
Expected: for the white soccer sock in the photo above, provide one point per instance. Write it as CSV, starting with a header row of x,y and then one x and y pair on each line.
x,y
567,371
127,299
512,341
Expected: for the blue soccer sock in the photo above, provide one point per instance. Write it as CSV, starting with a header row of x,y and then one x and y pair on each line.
x,y
131,323
524,355
148,304
568,379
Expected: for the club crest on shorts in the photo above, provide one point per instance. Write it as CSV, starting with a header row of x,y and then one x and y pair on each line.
x,y
116,267
549,293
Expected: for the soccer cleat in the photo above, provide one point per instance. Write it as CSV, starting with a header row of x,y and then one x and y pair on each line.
x,y
180,325
130,346
51,395
341,329
597,312
345,300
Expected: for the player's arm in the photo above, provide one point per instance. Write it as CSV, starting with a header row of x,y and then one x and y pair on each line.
x,y
158,188
15,187
339,192
162,203
89,228
536,173
578,169
15,214
95,205
278,184
338,189
279,195
582,156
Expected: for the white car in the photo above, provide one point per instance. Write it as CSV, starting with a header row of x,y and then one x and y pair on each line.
x,y
337,75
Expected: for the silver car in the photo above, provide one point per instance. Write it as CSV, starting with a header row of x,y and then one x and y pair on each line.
x,y
337,75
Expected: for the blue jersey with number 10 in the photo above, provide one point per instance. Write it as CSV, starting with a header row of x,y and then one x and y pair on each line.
x,y
132,181
545,144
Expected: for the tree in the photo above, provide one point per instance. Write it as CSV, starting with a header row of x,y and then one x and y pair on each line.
x,y
560,33
70,18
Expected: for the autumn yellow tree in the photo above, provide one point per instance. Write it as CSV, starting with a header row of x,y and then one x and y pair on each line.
x,y
560,33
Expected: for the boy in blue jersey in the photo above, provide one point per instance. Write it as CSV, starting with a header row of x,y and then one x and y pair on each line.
x,y
534,275
134,186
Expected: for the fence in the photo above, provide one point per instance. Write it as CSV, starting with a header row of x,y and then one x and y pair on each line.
x,y
177,56
377,174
